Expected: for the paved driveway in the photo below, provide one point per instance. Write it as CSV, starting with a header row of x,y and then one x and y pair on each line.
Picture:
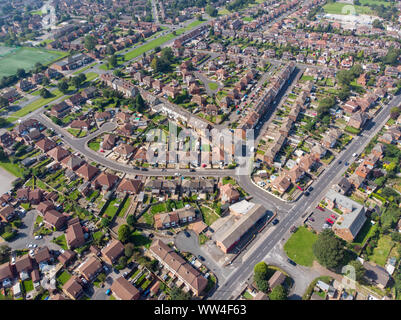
x,y
191,244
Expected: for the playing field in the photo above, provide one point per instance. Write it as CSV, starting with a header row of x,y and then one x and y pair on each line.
x,y
343,8
12,59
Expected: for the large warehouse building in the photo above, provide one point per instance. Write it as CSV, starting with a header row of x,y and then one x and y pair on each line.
x,y
246,215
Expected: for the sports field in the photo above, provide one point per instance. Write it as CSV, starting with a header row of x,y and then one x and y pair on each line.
x,y
343,8
12,59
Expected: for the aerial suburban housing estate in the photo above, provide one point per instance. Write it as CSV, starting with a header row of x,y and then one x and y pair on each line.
x,y
156,150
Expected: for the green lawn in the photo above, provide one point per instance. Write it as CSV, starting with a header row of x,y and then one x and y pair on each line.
x,y
213,86
94,145
37,104
64,277
61,241
159,41
125,207
84,68
343,8
13,168
364,234
28,285
208,215
91,75
381,252
161,207
299,246
112,208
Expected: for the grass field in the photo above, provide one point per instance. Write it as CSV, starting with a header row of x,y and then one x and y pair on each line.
x,y
299,247
26,58
376,2
213,86
208,215
159,41
343,8
13,168
37,104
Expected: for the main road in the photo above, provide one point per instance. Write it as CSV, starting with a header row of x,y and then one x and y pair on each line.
x,y
297,213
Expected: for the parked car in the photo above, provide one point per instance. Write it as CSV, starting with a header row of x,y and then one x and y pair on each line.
x,y
333,216
310,189
291,262
311,219
201,258
293,229
108,292
125,274
170,233
320,208
187,234
275,221
306,193
151,235
329,221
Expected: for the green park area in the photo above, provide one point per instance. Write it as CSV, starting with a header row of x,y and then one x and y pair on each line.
x,y
12,59
37,104
159,41
299,247
344,8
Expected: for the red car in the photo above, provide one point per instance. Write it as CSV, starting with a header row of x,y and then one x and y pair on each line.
x,y
300,188
333,216
329,221
320,208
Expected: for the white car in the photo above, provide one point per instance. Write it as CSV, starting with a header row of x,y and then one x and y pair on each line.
x,y
354,154
34,245
31,252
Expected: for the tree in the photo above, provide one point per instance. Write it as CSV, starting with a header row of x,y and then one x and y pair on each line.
x,y
4,253
113,61
44,93
211,11
45,81
82,77
124,233
260,276
63,86
278,293
105,222
122,262
377,24
329,250
131,220
90,42
21,73
324,106
76,82
129,250
359,270
344,77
